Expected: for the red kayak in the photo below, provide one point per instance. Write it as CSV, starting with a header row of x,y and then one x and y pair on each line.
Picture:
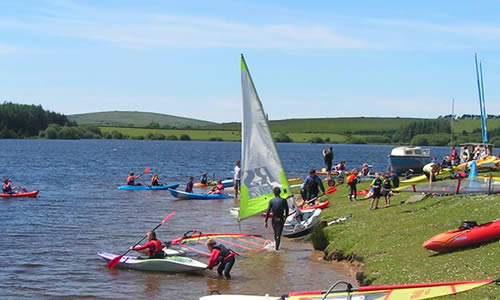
x,y
320,205
468,234
27,194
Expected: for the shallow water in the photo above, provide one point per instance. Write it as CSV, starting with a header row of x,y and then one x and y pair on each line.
x,y
49,243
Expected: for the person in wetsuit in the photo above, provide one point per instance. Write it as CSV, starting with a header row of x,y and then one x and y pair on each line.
x,y
222,256
313,184
154,246
279,207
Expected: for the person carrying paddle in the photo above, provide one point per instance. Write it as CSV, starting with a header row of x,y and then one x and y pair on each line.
x,y
279,207
8,188
222,256
312,185
131,179
154,246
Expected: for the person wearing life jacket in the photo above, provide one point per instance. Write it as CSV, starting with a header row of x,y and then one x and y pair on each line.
x,y
222,256
218,188
7,187
189,185
204,179
155,181
352,181
154,246
131,179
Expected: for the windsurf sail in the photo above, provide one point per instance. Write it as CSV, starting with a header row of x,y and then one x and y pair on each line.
x,y
399,292
482,105
460,186
242,243
261,168
418,291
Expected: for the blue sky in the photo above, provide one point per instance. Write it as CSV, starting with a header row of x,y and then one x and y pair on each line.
x,y
308,59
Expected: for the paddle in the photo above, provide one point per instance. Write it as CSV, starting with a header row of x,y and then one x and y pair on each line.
x,y
112,263
145,171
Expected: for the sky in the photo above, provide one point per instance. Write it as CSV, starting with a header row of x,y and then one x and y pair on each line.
x,y
308,59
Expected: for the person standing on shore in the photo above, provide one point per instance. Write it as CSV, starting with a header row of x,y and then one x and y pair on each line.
x,y
279,207
328,156
376,185
352,181
313,184
237,178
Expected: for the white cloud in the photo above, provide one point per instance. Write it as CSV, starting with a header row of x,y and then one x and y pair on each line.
x,y
149,30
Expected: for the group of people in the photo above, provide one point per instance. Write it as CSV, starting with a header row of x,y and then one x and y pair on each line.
x,y
155,180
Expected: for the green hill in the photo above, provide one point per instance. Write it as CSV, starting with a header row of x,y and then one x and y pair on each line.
x,y
136,119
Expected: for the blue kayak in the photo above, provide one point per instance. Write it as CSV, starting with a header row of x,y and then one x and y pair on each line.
x,y
148,187
186,195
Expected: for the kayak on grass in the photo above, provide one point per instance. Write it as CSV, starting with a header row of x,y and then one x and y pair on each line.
x,y
468,234
22,194
186,195
148,187
169,264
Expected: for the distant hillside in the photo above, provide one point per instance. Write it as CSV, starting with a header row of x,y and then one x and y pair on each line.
x,y
136,119
359,125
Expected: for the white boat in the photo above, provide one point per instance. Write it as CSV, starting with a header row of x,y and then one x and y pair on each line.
x,y
404,158
261,168
302,224
169,264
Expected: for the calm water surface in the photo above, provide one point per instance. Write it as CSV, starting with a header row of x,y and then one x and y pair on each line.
x,y
49,243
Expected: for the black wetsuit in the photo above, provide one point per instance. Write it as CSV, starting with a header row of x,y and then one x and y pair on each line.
x,y
279,207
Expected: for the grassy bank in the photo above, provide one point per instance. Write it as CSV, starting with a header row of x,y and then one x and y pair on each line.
x,y
387,243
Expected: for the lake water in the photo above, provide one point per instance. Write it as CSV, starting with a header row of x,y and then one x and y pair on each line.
x,y
49,243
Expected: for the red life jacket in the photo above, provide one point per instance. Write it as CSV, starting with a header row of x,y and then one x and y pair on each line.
x,y
6,187
131,180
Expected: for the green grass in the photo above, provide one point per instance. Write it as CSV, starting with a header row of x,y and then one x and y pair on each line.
x,y
389,241
470,125
135,119
199,135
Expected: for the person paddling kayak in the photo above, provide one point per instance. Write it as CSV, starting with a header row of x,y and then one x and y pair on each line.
x,y
155,181
154,246
131,179
222,256
8,188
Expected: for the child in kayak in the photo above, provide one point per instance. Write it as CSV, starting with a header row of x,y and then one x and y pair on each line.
x,y
154,246
218,188
222,256
155,181
204,179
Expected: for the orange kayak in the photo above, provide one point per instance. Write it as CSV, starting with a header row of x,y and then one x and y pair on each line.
x,y
467,235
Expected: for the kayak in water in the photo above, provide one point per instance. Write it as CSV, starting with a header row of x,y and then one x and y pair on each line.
x,y
186,195
23,194
169,264
148,187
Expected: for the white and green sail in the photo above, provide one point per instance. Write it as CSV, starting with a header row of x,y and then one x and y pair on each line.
x,y
261,168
